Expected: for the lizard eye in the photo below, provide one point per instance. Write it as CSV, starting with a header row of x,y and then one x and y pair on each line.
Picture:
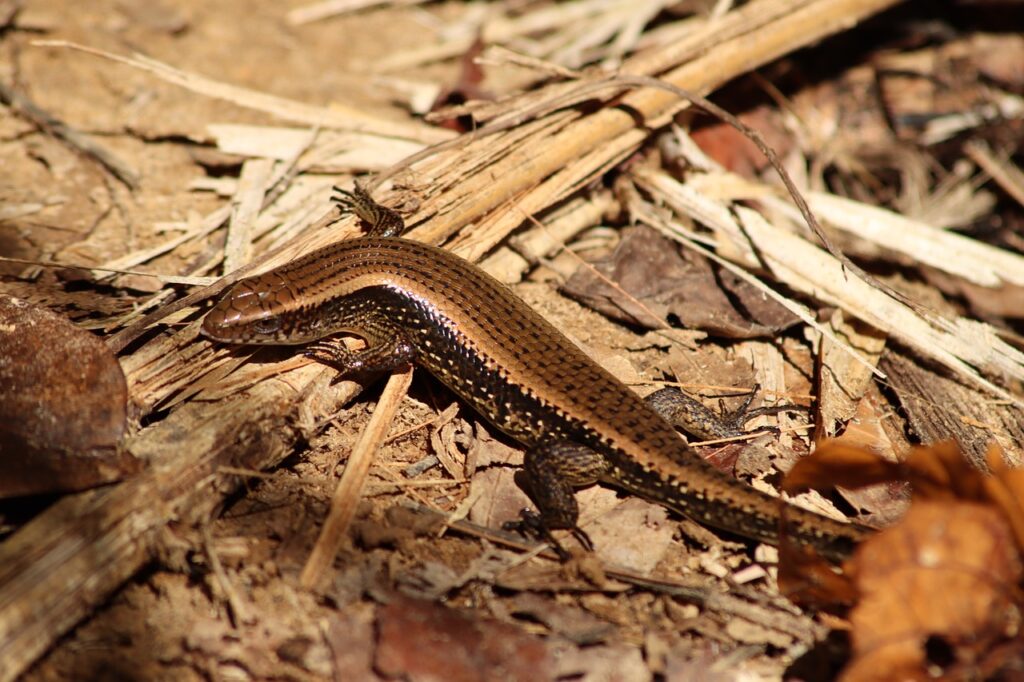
x,y
268,325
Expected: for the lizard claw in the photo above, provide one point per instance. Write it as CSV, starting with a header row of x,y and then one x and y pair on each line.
x,y
582,538
531,524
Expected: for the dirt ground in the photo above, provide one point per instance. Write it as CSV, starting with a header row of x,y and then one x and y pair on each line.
x,y
406,598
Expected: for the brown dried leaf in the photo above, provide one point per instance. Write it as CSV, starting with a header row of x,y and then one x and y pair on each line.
x,y
864,424
837,463
808,579
1005,488
468,87
847,394
425,641
350,638
735,151
935,472
884,502
648,278
947,572
940,472
64,404
498,498
633,534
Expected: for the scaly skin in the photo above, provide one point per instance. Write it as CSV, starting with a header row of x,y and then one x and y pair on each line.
x,y
414,302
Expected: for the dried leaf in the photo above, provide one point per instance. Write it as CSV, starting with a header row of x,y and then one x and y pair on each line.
x,y
64,404
647,279
940,472
467,87
947,572
848,397
836,463
634,534
734,150
1005,488
808,579
868,429
421,640
575,624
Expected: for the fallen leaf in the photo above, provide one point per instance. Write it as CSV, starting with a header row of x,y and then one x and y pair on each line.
x,y
939,592
946,572
575,624
810,580
426,642
836,463
647,279
63,405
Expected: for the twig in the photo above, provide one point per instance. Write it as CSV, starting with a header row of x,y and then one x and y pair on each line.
x,y
307,14
239,609
1003,171
347,494
50,125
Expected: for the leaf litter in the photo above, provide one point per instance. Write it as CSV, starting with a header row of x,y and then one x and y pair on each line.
x,y
920,187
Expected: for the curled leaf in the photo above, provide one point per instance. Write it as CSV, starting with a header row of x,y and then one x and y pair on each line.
x,y
63,404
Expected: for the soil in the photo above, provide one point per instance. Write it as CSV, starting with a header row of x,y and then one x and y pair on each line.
x,y
407,599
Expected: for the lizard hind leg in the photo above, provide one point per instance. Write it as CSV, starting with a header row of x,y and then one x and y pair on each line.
x,y
549,477
684,411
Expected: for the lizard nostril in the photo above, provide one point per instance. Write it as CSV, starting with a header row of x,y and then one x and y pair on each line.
x,y
212,323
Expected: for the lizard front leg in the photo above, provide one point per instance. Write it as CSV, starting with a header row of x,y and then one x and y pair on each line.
x,y
387,348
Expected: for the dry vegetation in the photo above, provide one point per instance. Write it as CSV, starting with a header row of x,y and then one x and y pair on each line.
x,y
176,509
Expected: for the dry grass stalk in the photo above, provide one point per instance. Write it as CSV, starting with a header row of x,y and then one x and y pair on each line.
x,y
349,491
58,567
246,204
331,8
582,146
1005,173
339,117
970,349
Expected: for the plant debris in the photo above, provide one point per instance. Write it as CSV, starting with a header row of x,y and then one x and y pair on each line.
x,y
136,187
64,411
939,591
